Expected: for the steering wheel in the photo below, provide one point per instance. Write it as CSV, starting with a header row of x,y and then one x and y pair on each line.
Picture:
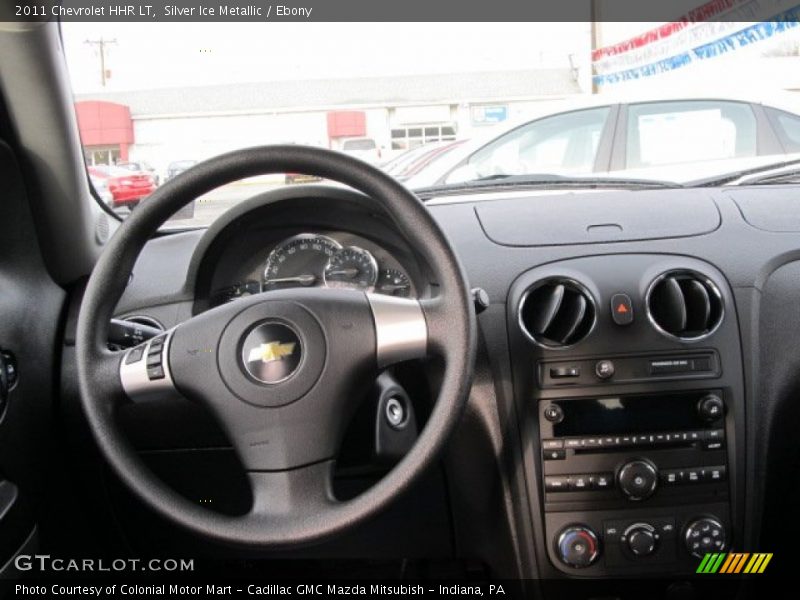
x,y
282,371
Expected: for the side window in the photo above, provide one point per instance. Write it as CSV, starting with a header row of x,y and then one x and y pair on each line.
x,y
787,127
565,143
663,133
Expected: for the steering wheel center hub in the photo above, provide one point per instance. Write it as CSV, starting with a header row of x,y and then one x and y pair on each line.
x,y
271,352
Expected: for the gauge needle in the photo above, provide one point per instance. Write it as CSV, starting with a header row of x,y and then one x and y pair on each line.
x,y
349,273
306,279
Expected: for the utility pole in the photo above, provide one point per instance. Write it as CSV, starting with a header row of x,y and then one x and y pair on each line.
x,y
101,46
595,35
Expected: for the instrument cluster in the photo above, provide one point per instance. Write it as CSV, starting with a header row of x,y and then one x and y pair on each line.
x,y
329,260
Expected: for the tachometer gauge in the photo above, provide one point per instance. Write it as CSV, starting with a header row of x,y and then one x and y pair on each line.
x,y
393,282
352,267
299,261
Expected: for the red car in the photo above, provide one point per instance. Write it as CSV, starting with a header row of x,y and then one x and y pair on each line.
x,y
127,187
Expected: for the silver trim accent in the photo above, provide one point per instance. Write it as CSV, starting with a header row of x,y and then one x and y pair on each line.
x,y
536,286
401,332
134,378
701,277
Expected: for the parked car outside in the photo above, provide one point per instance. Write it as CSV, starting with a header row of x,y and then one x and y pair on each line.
x,y
364,148
141,167
101,188
177,167
678,139
127,188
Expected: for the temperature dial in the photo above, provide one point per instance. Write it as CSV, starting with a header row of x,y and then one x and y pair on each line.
x,y
577,546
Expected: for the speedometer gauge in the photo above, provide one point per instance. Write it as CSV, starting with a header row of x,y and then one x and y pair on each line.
x,y
352,267
299,261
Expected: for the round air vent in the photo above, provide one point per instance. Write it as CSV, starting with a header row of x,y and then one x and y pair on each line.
x,y
685,305
144,320
557,313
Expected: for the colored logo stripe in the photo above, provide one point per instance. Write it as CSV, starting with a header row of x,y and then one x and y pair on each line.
x,y
734,562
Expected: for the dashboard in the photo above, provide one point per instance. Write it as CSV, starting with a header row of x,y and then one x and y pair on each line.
x,y
637,348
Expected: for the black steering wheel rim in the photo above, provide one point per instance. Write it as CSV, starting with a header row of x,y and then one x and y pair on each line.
x,y
449,316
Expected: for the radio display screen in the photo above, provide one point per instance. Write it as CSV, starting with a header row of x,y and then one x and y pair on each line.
x,y
629,414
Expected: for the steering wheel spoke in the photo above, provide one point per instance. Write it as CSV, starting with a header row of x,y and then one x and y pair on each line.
x,y
302,491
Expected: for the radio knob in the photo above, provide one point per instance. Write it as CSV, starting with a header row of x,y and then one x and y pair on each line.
x,y
577,546
704,535
641,539
710,408
638,479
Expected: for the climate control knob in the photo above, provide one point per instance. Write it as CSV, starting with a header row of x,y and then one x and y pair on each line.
x,y
577,546
641,539
704,535
638,479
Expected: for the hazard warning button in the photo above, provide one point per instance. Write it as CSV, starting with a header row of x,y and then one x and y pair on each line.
x,y
622,309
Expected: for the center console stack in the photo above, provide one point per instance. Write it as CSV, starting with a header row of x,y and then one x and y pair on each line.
x,y
627,374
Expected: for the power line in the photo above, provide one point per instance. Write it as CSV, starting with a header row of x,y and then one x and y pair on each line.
x,y
101,44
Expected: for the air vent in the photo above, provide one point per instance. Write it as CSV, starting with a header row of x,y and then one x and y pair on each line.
x,y
685,305
144,320
557,313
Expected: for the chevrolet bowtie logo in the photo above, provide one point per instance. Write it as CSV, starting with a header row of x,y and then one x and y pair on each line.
x,y
271,351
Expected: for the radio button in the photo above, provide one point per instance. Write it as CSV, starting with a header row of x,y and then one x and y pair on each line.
x,y
672,477
694,475
602,481
715,474
552,444
554,413
604,369
694,436
556,454
556,483
578,483
627,440
573,443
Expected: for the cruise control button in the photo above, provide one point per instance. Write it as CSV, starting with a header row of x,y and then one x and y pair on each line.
x,y
134,355
155,372
153,360
621,309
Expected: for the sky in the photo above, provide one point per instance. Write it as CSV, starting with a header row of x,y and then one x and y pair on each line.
x,y
147,56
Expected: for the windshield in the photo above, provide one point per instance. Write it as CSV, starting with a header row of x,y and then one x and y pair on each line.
x,y
437,105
